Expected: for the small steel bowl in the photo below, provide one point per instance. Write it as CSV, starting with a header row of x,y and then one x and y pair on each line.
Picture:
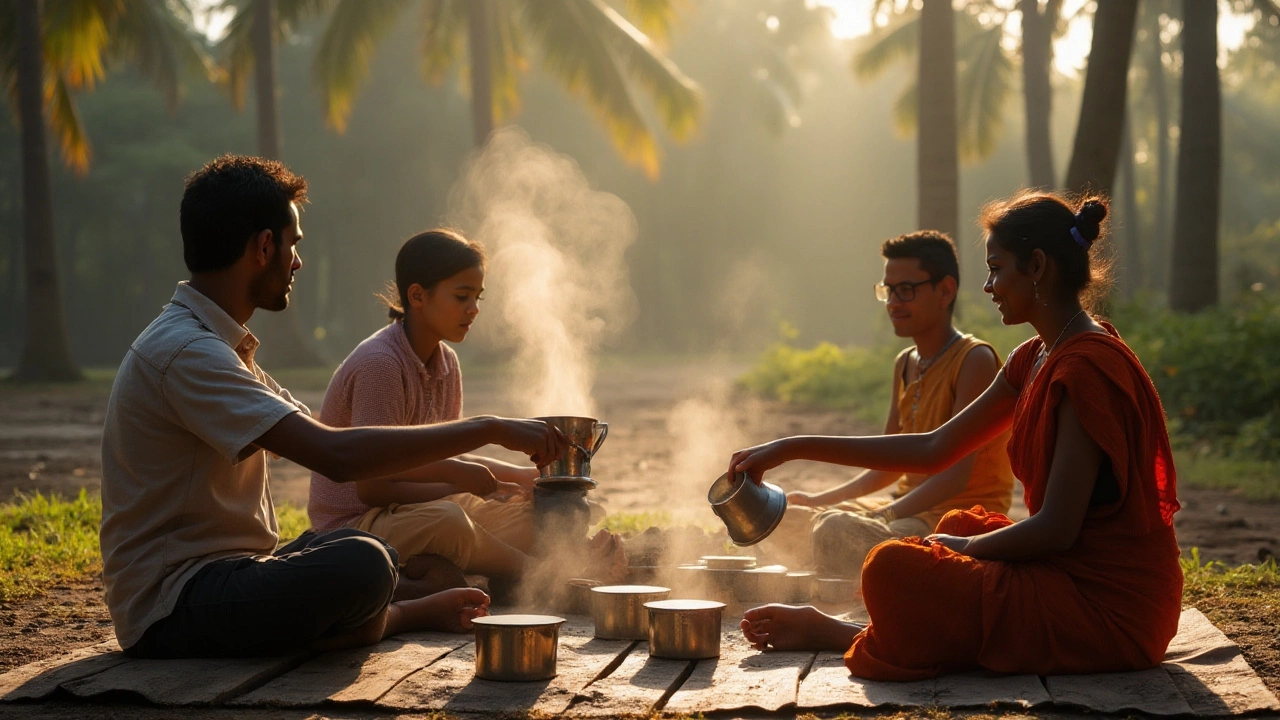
x,y
748,510
836,590
576,597
798,586
619,611
728,562
684,629
516,648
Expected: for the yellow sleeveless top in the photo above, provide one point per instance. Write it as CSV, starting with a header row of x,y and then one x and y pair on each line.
x,y
991,480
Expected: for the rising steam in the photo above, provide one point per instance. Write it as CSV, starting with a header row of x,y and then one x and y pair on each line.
x,y
557,272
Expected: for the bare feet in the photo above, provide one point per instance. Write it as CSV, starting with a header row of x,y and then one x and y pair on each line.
x,y
790,627
427,574
450,611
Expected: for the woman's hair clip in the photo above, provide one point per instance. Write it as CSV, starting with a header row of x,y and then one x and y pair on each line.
x,y
1075,234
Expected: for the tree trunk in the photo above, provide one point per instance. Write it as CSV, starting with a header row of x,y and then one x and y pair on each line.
x,y
1160,243
284,343
264,76
1194,277
1097,144
937,162
46,354
1037,57
1134,267
478,27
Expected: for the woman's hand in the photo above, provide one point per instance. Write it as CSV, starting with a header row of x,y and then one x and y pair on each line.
x,y
756,461
958,544
509,491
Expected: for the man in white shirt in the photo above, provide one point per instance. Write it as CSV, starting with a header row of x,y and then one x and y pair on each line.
x,y
189,530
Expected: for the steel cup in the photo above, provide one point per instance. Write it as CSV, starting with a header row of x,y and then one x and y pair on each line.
x,y
748,510
586,435
516,648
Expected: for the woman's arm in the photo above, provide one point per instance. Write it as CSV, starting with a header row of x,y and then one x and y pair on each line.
x,y
1076,460
428,482
867,481
506,472
980,422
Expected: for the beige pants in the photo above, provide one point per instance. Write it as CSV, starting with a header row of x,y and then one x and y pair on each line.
x,y
834,541
467,530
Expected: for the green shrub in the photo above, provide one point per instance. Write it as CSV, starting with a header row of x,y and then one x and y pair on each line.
x,y
826,376
1215,371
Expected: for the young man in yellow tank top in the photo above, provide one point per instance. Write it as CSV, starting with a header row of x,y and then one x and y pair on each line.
x,y
932,381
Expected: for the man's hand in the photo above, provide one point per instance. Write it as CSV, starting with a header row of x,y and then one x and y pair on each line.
x,y
756,461
542,442
803,499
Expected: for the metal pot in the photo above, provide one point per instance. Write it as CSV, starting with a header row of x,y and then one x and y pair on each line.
x,y
619,611
684,629
763,584
586,435
750,511
576,599
728,562
516,648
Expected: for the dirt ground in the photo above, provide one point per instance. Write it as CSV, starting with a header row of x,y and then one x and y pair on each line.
x,y
672,426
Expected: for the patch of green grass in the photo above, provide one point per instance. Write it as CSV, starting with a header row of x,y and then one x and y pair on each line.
x,y
1203,579
636,522
1253,478
293,521
44,540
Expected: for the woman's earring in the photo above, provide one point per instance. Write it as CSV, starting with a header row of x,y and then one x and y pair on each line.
x,y
1035,289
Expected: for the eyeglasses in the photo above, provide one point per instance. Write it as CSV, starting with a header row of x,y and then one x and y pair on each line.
x,y
905,291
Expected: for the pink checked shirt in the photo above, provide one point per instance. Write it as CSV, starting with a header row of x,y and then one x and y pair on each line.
x,y
382,382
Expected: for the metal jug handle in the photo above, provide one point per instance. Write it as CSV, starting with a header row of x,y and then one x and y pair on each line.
x,y
604,433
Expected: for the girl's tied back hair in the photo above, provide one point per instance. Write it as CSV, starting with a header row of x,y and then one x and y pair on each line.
x,y
426,259
1071,231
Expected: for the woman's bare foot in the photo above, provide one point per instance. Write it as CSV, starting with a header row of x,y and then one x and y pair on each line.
x,y
450,611
790,627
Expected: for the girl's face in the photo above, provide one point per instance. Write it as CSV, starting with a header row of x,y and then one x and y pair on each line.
x,y
1010,289
449,309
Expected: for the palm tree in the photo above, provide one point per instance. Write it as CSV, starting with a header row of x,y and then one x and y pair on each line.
x,y
1101,127
249,47
937,159
594,51
1194,276
53,49
1038,24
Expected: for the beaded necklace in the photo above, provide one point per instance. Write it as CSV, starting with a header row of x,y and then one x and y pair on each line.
x,y
923,365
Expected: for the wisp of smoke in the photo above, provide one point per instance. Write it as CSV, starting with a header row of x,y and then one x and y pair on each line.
x,y
557,271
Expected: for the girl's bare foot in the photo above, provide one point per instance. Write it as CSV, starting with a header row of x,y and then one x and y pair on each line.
x,y
788,627
450,611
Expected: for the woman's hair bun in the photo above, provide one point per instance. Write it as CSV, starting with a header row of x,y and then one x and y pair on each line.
x,y
1090,216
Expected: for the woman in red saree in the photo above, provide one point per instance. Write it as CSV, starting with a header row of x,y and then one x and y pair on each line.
x,y
1090,582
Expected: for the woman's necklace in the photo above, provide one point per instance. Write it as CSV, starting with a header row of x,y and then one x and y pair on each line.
x,y
923,364
1064,332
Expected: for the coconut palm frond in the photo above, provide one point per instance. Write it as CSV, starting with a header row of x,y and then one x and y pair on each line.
x,y
894,44
444,32
346,50
76,36
157,36
906,111
236,51
983,86
507,62
656,18
575,52
64,120
678,99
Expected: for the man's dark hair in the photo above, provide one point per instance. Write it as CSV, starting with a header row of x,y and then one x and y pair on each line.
x,y
230,200
935,251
